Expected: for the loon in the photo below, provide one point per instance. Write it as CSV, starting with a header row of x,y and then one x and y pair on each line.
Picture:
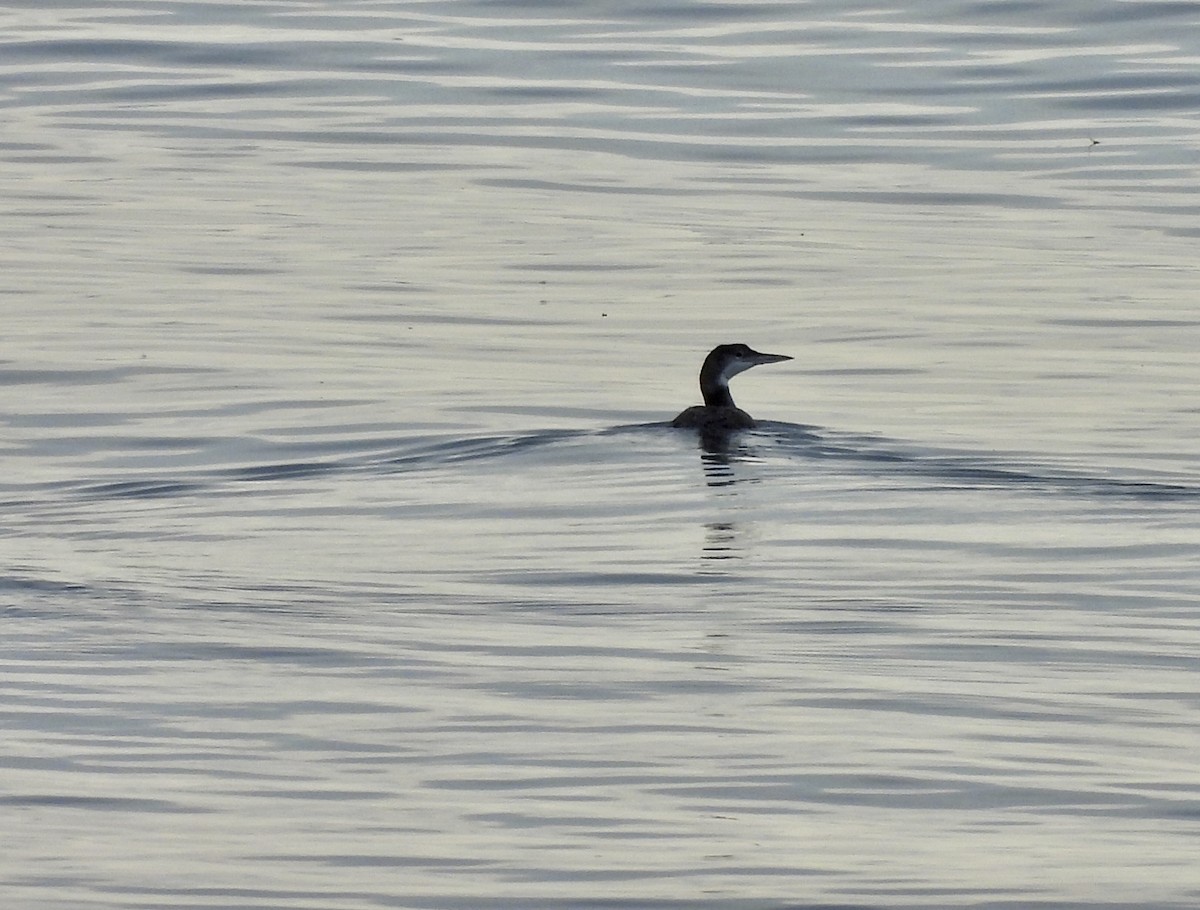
x,y
719,415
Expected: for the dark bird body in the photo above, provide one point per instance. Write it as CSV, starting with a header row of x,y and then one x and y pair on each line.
x,y
718,415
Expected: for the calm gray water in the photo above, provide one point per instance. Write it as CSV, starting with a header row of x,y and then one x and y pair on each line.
x,y
347,561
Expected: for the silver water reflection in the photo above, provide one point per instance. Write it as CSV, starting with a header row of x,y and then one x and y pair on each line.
x,y
347,561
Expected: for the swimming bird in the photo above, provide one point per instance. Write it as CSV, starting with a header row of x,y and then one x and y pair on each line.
x,y
719,415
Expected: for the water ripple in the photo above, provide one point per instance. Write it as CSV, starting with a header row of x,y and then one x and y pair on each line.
x,y
784,443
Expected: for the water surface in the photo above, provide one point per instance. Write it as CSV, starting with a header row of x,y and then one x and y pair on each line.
x,y
348,561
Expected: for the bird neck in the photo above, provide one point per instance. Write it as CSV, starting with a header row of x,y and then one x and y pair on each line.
x,y
715,389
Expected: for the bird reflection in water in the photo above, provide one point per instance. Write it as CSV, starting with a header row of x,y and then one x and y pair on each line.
x,y
721,541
